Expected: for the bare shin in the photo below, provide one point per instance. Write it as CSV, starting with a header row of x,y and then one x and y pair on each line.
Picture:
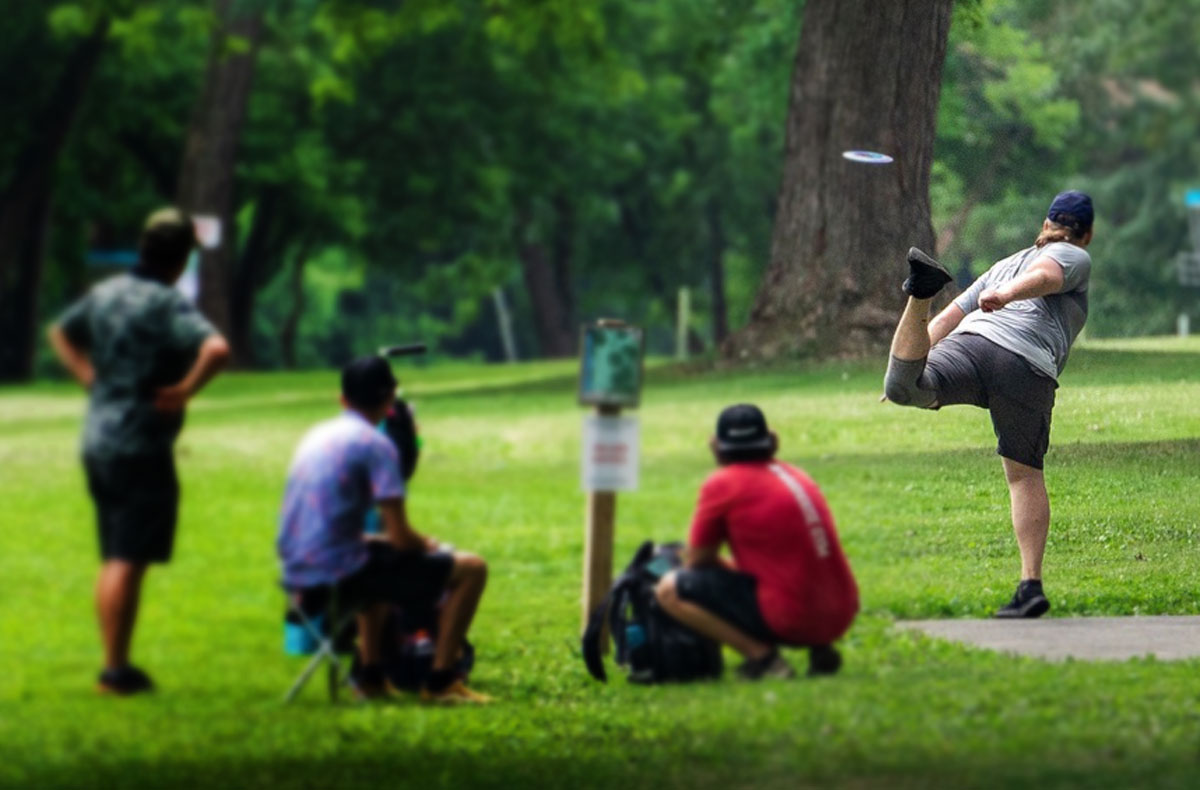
x,y
118,591
1030,514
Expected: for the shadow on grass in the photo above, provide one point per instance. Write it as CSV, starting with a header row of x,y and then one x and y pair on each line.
x,y
731,762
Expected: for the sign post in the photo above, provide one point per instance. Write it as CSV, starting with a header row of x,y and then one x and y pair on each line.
x,y
610,379
1189,262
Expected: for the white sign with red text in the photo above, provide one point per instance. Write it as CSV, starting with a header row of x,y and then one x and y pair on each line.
x,y
611,447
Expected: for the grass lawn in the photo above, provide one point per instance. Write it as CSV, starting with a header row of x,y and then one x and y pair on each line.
x,y
921,507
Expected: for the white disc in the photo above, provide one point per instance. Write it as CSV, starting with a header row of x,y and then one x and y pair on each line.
x,y
867,157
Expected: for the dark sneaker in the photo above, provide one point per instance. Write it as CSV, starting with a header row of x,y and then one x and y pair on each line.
x,y
124,681
1028,601
369,682
772,665
823,660
926,276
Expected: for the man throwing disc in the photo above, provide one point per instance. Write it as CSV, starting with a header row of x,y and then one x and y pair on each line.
x,y
1001,345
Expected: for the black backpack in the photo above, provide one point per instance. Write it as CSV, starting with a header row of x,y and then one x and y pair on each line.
x,y
401,428
656,647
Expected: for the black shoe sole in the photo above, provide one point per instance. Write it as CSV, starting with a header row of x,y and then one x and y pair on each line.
x,y
924,267
1034,607
828,663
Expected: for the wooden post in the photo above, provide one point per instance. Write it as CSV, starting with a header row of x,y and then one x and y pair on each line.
x,y
682,319
504,319
600,526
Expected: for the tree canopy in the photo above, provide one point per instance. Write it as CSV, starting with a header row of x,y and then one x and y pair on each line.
x,y
400,165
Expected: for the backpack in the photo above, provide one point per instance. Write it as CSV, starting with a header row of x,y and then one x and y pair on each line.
x,y
401,428
654,646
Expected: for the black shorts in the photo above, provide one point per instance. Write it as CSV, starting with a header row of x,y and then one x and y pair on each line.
x,y
411,579
971,369
137,504
730,595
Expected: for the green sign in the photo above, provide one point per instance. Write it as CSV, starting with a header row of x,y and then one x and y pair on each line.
x,y
610,372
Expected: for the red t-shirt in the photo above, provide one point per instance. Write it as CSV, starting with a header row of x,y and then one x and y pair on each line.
x,y
780,531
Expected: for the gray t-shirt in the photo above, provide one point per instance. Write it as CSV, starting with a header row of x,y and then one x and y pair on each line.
x,y
1040,330
140,335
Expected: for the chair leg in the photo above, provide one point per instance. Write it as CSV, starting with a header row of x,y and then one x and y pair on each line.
x,y
324,653
334,666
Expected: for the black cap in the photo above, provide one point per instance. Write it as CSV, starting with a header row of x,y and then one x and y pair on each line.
x,y
742,427
1072,210
368,382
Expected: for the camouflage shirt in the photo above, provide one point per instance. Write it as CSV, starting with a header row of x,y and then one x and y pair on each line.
x,y
140,335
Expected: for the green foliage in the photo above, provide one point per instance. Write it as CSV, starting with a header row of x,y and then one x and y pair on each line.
x,y
427,143
925,525
1098,96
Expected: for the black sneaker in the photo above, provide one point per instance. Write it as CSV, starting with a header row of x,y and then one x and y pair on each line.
x,y
823,660
369,682
772,665
1028,601
124,681
926,276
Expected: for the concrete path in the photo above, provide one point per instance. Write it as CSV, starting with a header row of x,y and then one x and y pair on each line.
x,y
1057,638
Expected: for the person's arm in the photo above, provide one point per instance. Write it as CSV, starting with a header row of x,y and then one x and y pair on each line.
x,y
213,355
700,556
1043,277
73,358
709,529
397,529
945,323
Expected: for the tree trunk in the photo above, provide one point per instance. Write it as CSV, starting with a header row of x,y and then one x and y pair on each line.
x,y
291,325
25,209
867,75
247,279
716,272
547,273
206,178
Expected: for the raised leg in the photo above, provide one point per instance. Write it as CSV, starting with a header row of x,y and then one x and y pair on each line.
x,y
911,341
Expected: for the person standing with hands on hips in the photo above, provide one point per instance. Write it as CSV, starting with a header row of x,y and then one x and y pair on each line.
x,y
142,351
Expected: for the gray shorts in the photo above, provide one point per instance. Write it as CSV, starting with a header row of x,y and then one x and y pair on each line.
x,y
970,369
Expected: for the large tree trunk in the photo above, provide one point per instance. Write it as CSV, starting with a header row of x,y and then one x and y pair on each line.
x,y
867,75
547,272
25,209
206,178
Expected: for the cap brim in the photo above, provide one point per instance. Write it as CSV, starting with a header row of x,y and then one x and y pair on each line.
x,y
757,444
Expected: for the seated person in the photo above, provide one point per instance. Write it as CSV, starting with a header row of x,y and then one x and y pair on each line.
x,y
791,584
342,467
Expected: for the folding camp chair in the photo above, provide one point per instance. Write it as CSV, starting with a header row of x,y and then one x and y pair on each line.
x,y
317,612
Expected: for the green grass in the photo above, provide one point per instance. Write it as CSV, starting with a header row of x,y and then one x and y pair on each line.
x,y
921,507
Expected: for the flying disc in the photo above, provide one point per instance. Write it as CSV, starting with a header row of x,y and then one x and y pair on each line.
x,y
867,157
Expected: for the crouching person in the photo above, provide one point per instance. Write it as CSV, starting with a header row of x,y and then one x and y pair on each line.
x,y
790,584
342,467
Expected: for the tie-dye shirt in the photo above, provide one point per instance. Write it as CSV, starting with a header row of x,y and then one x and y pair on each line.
x,y
340,470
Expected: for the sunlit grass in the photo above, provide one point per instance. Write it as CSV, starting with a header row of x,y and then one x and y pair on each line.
x,y
921,507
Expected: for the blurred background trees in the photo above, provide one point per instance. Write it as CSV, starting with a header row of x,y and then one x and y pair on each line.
x,y
389,171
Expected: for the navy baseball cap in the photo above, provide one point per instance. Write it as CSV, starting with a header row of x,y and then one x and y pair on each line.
x,y
742,427
1073,210
368,382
